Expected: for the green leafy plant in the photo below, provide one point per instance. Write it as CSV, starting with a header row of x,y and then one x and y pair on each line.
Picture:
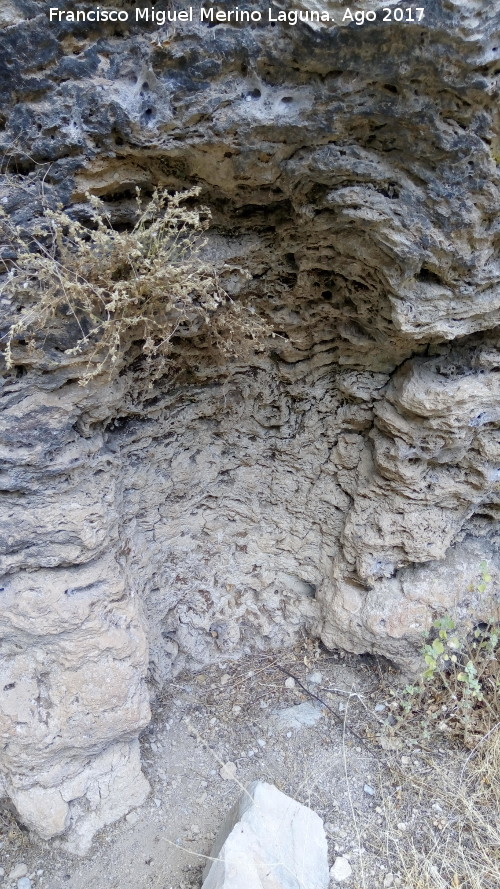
x,y
458,691
94,293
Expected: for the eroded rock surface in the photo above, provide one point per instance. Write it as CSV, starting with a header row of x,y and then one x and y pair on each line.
x,y
344,478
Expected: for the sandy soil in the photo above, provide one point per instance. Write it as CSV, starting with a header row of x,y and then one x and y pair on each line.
x,y
228,714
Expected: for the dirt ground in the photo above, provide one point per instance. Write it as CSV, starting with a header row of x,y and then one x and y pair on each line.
x,y
232,713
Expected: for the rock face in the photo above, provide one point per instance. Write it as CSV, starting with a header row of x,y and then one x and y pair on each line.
x,y
343,479
269,841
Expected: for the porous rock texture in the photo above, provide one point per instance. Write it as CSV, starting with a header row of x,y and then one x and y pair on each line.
x,y
341,480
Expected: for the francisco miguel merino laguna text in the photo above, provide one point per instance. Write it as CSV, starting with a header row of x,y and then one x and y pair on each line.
x,y
212,16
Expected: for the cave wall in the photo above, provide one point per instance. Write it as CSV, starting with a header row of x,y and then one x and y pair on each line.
x,y
343,479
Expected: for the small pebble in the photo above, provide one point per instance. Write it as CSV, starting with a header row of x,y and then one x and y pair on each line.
x,y
316,678
388,880
20,870
132,818
341,869
379,708
24,883
261,742
369,790
228,771
402,825
236,709
290,682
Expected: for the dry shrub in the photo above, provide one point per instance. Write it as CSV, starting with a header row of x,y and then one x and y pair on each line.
x,y
109,289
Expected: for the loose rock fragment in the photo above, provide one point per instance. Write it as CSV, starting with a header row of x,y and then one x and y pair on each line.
x,y
315,678
269,841
297,717
341,869
19,870
228,771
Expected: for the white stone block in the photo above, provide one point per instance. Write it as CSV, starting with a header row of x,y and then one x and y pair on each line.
x,y
269,841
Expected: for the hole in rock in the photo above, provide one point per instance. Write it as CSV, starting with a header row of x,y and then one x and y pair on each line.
x,y
290,258
426,276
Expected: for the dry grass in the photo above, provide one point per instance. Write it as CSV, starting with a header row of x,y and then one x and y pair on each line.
x,y
449,788
10,829
449,808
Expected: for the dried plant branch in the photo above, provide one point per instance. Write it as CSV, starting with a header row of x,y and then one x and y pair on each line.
x,y
93,291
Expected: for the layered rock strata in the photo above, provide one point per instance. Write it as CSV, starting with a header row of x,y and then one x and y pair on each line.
x,y
341,480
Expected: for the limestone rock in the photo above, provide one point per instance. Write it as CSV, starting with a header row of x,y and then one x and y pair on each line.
x,y
108,787
42,809
341,869
18,871
297,717
269,841
342,478
112,785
